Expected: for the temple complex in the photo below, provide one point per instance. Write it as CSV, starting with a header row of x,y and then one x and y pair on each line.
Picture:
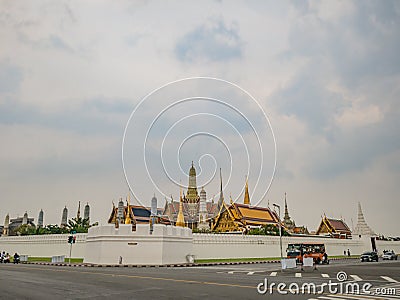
x,y
197,212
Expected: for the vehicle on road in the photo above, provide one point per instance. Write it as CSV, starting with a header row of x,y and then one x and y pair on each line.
x,y
314,250
389,255
369,256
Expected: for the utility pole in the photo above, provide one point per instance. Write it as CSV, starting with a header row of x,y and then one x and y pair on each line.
x,y
280,228
71,240
70,251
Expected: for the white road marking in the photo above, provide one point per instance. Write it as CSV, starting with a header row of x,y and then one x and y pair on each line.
x,y
389,279
273,274
356,278
250,273
325,275
298,275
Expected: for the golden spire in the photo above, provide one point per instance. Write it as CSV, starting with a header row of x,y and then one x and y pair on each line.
x,y
180,221
128,213
246,193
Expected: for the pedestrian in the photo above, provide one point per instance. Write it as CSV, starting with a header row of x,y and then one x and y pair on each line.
x,y
344,252
16,258
348,252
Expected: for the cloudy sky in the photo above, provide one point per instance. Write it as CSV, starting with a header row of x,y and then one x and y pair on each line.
x,y
326,74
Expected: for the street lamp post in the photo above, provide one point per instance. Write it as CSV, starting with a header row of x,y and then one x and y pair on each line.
x,y
280,227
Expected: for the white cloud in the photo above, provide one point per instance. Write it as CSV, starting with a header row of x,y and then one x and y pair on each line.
x,y
358,117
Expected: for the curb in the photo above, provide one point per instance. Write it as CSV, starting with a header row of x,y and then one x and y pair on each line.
x,y
164,266
149,266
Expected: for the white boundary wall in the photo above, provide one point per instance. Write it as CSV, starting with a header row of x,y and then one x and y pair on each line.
x,y
44,245
209,246
205,246
165,245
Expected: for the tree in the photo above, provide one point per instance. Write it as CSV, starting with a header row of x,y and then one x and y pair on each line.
x,y
269,229
52,229
26,229
79,225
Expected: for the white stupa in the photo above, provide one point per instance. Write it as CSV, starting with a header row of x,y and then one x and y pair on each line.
x,y
362,227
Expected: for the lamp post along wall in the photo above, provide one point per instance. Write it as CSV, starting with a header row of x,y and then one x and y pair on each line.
x,y
280,227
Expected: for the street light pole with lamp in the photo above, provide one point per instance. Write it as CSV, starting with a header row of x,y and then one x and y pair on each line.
x,y
280,227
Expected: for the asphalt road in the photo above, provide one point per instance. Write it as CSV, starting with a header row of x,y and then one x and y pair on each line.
x,y
27,281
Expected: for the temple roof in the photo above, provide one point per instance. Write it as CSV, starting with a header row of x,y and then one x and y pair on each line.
x,y
140,214
256,213
245,215
333,226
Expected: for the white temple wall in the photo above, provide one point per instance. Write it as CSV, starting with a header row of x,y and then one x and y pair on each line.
x,y
44,245
165,245
205,246
215,246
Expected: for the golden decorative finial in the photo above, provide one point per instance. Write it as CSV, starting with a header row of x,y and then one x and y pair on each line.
x,y
128,219
180,221
246,193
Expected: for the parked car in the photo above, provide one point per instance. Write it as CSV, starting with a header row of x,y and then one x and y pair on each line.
x,y
369,256
390,255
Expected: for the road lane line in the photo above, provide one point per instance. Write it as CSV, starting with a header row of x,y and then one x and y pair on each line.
x,y
325,275
297,275
356,278
273,274
389,279
143,277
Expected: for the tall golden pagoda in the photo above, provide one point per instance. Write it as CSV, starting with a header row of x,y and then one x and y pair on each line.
x,y
180,221
246,193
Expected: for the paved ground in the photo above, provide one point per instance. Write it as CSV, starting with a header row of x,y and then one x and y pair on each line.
x,y
209,282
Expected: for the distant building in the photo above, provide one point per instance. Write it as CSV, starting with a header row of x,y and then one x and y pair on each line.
x,y
86,212
135,214
6,226
362,227
290,224
203,223
194,208
287,221
336,228
78,213
64,218
17,222
241,217
40,219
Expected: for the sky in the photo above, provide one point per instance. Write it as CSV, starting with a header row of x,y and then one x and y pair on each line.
x,y
300,96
